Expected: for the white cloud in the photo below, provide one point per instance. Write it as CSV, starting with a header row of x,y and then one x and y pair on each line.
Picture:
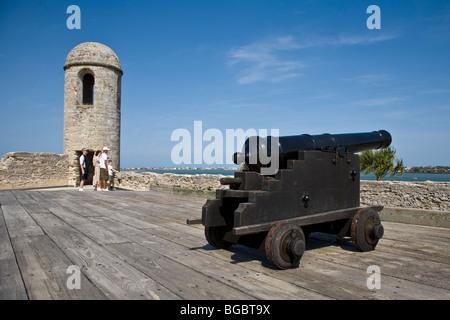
x,y
379,102
268,61
265,62
342,39
373,79
355,39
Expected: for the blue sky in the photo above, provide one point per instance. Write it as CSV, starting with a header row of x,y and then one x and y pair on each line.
x,y
296,66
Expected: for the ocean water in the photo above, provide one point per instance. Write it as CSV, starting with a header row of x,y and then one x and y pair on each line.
x,y
408,176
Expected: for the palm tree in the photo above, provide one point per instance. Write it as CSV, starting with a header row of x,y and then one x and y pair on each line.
x,y
381,163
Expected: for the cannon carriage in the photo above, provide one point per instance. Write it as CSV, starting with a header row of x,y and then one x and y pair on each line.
x,y
315,189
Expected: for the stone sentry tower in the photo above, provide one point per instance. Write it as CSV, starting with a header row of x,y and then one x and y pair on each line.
x,y
92,94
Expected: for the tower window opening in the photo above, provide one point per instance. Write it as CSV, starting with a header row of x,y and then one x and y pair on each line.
x,y
88,89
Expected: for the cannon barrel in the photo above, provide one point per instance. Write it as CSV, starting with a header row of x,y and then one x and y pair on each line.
x,y
288,147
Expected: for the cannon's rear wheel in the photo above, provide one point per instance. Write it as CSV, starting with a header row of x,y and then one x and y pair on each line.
x,y
284,245
366,229
215,236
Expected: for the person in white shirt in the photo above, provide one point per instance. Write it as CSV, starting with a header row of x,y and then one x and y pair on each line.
x,y
96,178
104,169
111,173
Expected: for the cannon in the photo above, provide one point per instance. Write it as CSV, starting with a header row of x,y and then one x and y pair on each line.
x,y
316,188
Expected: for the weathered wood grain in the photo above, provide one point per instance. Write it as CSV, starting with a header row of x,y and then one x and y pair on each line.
x,y
11,283
185,281
137,245
44,270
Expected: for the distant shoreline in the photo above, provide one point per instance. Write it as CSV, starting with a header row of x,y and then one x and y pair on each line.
x,y
176,168
407,176
431,170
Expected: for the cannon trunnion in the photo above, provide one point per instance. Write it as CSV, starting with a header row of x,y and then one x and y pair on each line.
x,y
315,191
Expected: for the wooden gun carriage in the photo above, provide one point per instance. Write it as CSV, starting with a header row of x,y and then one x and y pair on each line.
x,y
316,189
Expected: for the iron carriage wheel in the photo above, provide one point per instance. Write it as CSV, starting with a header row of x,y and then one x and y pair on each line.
x,y
215,237
284,245
366,229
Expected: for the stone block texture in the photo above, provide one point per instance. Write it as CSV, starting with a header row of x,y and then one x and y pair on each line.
x,y
96,123
33,169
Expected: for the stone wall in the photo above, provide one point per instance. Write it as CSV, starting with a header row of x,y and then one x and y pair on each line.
x,y
29,169
417,195
146,180
421,195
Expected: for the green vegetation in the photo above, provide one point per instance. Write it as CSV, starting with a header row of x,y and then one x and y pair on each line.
x,y
430,169
381,163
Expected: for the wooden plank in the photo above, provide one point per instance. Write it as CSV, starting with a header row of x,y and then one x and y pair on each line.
x,y
409,232
172,266
81,223
28,203
363,271
115,278
135,218
142,199
135,206
420,248
119,238
416,251
106,209
259,284
19,222
11,284
332,261
415,242
186,282
401,277
254,283
162,198
60,200
179,234
163,249
255,260
7,198
44,270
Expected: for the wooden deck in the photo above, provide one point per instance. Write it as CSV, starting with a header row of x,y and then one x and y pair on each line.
x,y
136,245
